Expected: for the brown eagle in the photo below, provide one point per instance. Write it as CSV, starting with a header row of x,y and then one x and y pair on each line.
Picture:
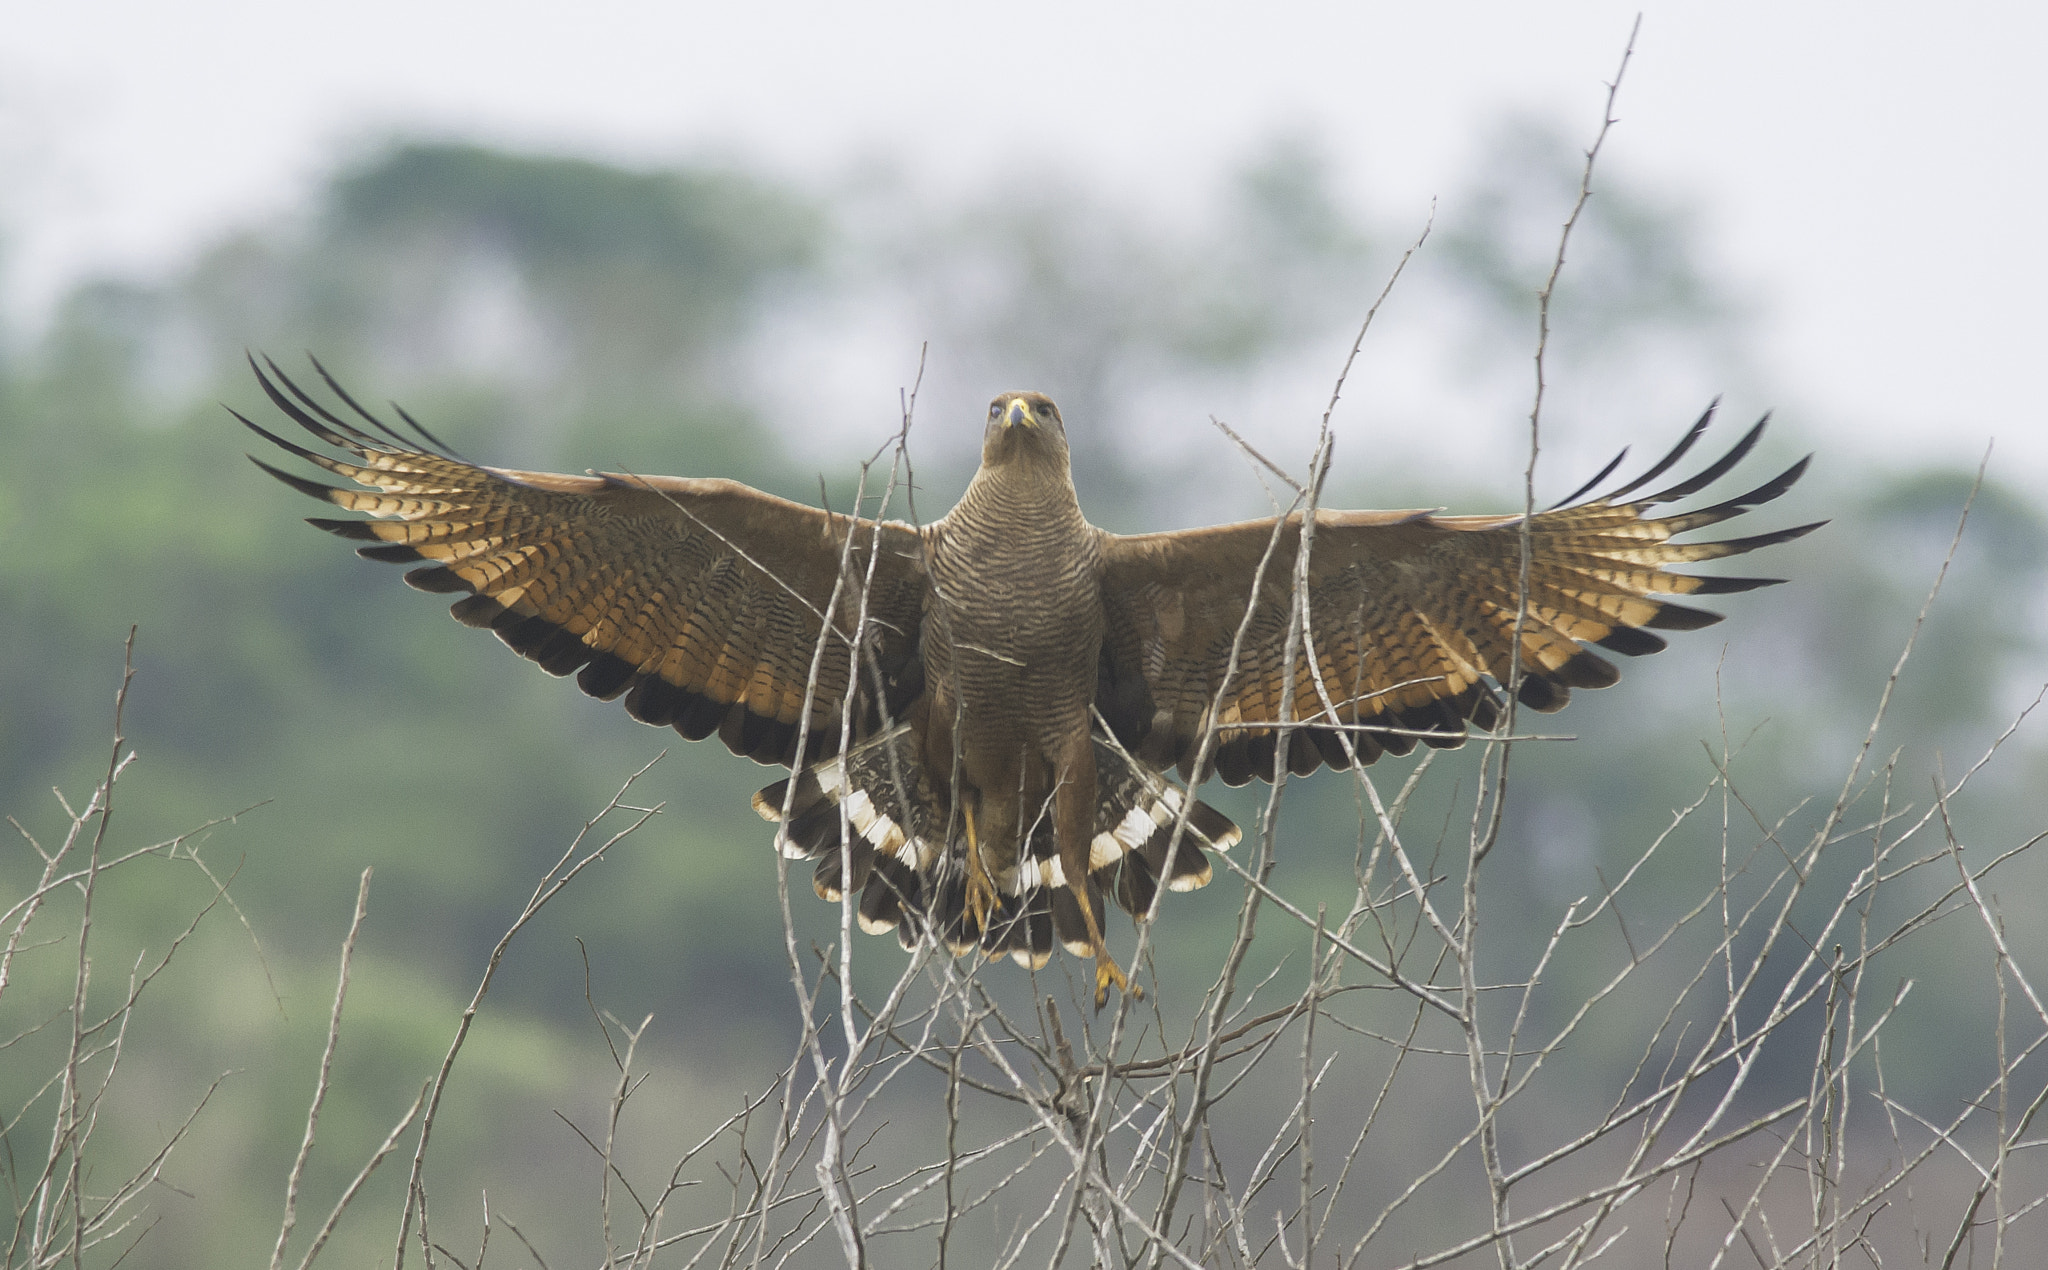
x,y
979,710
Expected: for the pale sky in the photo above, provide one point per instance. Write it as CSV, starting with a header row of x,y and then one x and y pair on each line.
x,y
1875,173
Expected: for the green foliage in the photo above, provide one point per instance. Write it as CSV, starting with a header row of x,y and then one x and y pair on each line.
x,y
633,273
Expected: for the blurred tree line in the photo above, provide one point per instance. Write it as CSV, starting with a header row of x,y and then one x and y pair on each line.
x,y
541,311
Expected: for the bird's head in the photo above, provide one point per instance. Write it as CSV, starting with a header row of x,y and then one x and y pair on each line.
x,y
1023,424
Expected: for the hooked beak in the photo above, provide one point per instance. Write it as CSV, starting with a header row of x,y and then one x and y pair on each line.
x,y
1019,414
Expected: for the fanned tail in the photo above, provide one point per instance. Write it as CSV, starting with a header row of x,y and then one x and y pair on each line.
x,y
896,850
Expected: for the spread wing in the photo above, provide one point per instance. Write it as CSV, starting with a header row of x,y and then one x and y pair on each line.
x,y
701,602
1409,615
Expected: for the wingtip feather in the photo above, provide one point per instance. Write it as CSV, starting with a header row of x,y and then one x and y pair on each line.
x,y
312,489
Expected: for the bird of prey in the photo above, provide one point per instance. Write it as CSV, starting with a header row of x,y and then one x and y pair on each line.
x,y
981,713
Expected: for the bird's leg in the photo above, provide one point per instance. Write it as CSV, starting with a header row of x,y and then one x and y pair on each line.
x,y
1074,829
981,889
1106,970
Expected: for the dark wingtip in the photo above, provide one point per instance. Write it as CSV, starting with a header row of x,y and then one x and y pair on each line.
x,y
1764,493
293,401
289,447
1736,546
1800,531
334,386
437,578
1679,617
358,530
1631,641
431,438
1587,488
1729,586
1774,487
1677,452
480,612
1584,669
312,489
1716,470
1541,694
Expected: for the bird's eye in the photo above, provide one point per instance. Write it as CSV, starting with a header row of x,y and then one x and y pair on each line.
x,y
995,410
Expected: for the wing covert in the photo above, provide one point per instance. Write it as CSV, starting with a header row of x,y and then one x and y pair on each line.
x,y
698,601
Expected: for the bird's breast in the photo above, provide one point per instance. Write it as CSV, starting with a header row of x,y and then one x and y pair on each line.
x,y
1016,623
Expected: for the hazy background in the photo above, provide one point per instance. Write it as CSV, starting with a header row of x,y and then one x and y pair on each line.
x,y
1869,180
714,241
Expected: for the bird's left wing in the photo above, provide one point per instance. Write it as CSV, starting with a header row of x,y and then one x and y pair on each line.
x,y
702,602
1408,616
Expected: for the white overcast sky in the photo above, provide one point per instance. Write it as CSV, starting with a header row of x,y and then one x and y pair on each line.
x,y
1876,172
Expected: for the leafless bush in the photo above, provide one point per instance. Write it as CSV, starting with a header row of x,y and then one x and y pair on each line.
x,y
956,1116
1349,1088
70,1199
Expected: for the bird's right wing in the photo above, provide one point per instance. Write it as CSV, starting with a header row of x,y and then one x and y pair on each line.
x,y
702,602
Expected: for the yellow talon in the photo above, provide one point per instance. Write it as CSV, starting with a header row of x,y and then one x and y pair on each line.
x,y
981,895
981,891
1107,973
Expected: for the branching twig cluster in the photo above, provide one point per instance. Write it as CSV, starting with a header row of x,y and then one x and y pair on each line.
x,y
68,1202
